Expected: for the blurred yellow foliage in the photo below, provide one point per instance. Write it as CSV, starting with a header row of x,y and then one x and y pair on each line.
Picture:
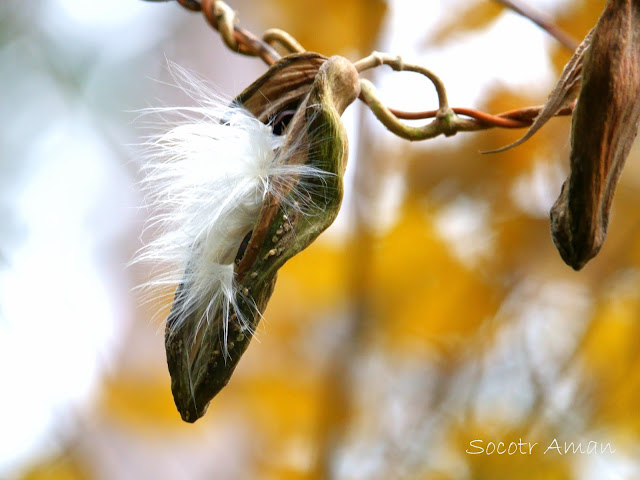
x,y
421,287
142,403
281,405
330,27
475,16
611,353
612,343
299,296
63,467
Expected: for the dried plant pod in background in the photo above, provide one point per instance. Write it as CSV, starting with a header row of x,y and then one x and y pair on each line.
x,y
205,341
604,126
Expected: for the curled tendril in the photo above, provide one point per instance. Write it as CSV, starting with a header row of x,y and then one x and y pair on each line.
x,y
448,121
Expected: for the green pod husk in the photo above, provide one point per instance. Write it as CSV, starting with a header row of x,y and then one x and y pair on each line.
x,y
319,90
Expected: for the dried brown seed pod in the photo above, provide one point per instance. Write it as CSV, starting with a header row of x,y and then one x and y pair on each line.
x,y
604,126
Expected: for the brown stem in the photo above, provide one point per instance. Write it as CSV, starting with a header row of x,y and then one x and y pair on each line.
x,y
377,59
192,5
253,46
276,36
520,118
542,21
446,122
223,19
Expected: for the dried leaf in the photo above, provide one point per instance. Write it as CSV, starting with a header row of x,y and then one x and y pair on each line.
x,y
604,125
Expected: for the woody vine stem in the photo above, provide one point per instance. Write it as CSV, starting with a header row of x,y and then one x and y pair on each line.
x,y
447,120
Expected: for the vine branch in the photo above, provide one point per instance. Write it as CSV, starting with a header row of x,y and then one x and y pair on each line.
x,y
541,21
447,121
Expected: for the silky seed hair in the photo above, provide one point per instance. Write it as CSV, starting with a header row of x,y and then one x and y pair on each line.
x,y
206,177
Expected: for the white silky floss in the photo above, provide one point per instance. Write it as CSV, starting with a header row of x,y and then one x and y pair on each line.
x,y
205,181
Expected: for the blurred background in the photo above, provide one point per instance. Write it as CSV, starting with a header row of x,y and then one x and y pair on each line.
x,y
434,312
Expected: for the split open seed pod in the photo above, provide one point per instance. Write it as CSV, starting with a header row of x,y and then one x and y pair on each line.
x,y
603,128
311,92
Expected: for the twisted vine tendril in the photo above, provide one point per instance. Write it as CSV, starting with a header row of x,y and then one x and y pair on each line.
x,y
447,120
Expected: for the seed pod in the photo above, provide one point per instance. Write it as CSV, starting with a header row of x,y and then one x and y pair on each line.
x,y
604,125
316,91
